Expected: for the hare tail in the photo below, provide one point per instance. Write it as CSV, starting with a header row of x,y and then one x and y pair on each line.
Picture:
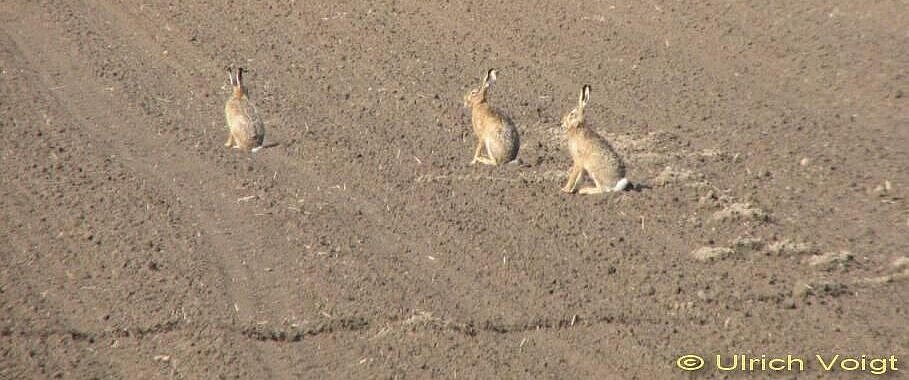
x,y
621,185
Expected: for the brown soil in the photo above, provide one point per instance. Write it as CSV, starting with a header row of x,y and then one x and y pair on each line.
x,y
771,140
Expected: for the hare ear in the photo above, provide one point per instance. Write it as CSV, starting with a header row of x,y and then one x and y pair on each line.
x,y
585,95
490,78
230,74
239,76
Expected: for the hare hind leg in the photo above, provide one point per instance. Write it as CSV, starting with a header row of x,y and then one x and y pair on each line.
x,y
598,187
593,190
491,158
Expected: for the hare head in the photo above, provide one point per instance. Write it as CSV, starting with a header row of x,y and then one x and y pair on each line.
x,y
236,81
478,95
575,118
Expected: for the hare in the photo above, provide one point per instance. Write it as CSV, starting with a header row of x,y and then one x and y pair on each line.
x,y
497,137
591,153
247,131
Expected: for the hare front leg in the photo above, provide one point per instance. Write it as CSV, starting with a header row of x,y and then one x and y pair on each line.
x,y
478,158
230,139
574,177
476,152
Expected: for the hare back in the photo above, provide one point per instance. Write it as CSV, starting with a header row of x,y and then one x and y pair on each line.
x,y
606,168
245,123
503,143
596,155
486,120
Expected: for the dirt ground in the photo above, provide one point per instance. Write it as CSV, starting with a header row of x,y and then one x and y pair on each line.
x,y
771,142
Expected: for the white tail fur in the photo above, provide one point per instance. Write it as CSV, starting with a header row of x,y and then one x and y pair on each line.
x,y
621,185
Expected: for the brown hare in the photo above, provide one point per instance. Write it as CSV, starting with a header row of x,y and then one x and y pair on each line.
x,y
591,153
497,137
247,131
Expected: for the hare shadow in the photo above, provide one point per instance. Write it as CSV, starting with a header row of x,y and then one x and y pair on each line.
x,y
638,187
